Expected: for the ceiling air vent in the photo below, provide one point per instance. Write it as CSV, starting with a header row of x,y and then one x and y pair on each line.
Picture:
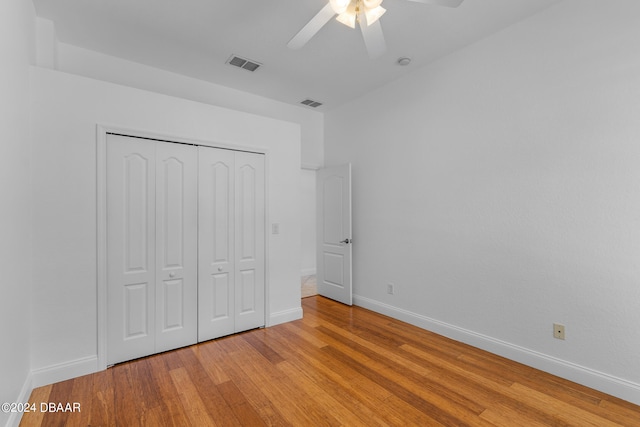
x,y
311,103
244,63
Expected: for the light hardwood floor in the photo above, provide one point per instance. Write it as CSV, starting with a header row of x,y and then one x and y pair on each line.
x,y
338,366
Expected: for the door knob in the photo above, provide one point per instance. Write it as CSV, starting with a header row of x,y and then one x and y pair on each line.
x,y
347,241
219,268
172,274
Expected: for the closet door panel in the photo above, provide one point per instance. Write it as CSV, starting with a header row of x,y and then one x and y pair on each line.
x,y
177,245
247,284
250,241
216,253
136,311
130,248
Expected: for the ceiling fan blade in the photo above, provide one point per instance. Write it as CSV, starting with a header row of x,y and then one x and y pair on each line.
x,y
373,38
312,27
445,3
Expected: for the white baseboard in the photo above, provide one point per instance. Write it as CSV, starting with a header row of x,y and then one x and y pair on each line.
x,y
307,272
606,383
25,393
285,316
64,371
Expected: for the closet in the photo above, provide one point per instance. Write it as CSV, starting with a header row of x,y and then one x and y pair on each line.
x,y
185,244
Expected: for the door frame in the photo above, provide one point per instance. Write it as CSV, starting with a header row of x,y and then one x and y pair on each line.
x,y
102,131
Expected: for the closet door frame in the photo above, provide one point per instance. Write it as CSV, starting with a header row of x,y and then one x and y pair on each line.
x,y
101,217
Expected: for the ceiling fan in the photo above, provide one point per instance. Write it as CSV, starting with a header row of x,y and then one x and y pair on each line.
x,y
365,13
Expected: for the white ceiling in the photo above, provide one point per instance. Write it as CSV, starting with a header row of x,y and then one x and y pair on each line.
x,y
196,37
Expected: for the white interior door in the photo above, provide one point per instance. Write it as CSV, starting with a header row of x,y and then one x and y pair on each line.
x,y
151,247
333,275
216,222
130,248
249,241
231,242
176,245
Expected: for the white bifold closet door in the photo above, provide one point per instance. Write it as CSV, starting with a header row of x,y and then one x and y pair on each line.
x,y
151,247
185,245
231,255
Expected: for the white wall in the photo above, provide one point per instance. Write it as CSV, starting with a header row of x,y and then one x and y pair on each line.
x,y
16,51
76,60
66,110
46,44
499,189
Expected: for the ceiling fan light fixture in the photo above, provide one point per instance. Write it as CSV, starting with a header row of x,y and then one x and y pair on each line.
x,y
348,19
374,14
371,4
366,13
340,6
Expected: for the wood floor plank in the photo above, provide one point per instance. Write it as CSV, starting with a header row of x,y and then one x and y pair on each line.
x,y
81,398
217,407
293,402
505,396
437,384
293,327
174,413
320,396
102,400
506,416
562,410
127,409
360,395
619,411
262,347
339,365
241,407
216,371
486,391
60,394
144,385
411,392
215,353
366,396
443,404
194,407
35,418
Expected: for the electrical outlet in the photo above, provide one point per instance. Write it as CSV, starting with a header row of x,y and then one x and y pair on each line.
x,y
391,289
558,331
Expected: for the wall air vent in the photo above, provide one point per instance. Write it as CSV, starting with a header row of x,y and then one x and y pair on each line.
x,y
244,63
311,103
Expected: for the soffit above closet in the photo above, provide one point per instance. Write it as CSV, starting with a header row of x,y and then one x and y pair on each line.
x,y
197,37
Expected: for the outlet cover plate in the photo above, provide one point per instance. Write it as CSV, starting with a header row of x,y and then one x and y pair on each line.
x,y
558,331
